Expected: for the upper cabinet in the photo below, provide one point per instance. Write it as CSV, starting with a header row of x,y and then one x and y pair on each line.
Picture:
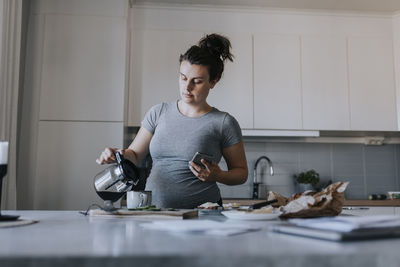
x,y
155,68
324,83
83,68
233,93
277,82
155,74
372,85
304,71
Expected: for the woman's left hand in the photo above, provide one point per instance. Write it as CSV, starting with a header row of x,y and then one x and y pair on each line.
x,y
209,174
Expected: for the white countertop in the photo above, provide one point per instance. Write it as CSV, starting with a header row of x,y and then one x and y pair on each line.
x,y
78,240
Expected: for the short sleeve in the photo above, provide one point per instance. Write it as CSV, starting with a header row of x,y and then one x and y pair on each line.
x,y
231,132
152,117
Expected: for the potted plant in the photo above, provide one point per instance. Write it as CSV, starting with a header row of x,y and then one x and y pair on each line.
x,y
306,180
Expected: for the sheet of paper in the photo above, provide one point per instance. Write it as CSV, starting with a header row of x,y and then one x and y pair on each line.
x,y
349,223
207,227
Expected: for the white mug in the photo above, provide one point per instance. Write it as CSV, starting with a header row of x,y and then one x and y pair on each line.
x,y
3,153
137,199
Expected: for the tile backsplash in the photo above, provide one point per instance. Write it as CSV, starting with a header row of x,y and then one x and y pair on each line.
x,y
369,169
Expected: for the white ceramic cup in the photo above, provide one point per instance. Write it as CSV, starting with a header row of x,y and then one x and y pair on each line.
x,y
137,199
3,153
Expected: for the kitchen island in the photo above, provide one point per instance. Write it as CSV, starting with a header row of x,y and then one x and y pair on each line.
x,y
68,238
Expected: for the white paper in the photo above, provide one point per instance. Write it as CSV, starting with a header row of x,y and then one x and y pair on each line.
x,y
3,153
207,227
349,223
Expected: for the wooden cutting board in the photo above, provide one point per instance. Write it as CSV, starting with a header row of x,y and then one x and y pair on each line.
x,y
182,213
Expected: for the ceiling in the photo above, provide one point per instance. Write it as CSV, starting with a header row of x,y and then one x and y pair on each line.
x,y
385,6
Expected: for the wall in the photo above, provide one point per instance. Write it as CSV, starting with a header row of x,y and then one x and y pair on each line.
x,y
369,169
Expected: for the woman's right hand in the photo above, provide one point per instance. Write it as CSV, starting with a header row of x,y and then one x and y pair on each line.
x,y
107,156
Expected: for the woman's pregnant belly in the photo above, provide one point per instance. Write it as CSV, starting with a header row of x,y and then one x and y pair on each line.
x,y
173,185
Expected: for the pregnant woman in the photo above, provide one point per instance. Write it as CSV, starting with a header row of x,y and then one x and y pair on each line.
x,y
173,132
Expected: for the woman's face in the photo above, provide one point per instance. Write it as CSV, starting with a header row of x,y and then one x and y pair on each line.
x,y
194,83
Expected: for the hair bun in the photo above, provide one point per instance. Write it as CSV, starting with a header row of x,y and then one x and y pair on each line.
x,y
217,45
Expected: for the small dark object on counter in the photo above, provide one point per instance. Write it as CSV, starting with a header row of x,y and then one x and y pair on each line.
x,y
151,208
262,204
377,197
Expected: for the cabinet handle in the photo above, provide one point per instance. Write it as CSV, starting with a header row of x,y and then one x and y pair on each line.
x,y
355,208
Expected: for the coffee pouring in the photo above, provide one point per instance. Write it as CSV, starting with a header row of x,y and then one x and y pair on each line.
x,y
114,181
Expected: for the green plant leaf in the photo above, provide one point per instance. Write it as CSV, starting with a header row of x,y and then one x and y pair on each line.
x,y
308,177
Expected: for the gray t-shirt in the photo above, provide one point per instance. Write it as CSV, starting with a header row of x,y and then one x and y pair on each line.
x,y
176,138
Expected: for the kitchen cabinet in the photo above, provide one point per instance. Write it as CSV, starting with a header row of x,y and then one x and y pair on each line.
x,y
371,84
277,82
73,100
83,68
324,83
155,69
309,71
367,210
66,154
234,93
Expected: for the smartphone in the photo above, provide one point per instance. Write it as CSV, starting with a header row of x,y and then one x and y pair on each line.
x,y
198,156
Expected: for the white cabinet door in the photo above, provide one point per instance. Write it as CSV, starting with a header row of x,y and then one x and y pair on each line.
x,y
155,68
234,92
364,211
277,82
83,70
113,8
371,81
66,154
324,80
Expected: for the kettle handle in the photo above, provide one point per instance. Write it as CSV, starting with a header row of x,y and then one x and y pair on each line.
x,y
119,157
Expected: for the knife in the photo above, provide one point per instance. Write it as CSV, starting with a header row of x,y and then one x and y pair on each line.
x,y
262,204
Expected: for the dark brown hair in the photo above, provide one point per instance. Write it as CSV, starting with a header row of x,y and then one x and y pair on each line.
x,y
211,52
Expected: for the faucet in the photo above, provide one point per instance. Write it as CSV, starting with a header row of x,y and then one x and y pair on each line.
x,y
255,182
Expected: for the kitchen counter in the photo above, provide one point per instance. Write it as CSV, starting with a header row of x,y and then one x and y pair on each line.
x,y
68,238
347,202
377,203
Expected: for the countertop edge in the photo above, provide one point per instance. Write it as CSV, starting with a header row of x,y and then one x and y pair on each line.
x,y
377,203
347,202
